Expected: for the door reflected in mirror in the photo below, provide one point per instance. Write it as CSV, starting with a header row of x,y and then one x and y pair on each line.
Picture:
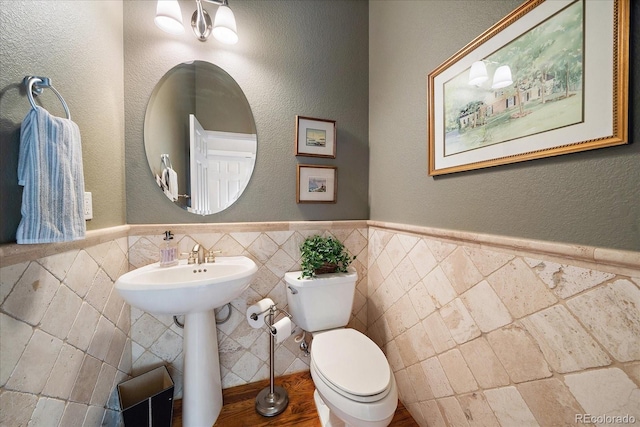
x,y
200,137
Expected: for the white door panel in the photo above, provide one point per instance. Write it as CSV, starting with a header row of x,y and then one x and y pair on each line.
x,y
199,168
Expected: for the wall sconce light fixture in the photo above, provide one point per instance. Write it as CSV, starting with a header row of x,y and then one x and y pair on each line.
x,y
169,19
478,75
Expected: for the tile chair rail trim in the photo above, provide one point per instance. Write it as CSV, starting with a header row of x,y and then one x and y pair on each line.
x,y
619,261
604,259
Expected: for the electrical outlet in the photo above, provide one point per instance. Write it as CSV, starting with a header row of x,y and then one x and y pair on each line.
x,y
88,206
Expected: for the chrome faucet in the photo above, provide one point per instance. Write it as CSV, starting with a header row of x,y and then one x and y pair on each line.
x,y
200,256
197,253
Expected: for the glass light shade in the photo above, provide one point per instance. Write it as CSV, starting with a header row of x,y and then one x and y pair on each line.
x,y
224,26
502,77
478,73
169,16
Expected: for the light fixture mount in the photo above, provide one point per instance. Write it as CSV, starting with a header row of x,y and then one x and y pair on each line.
x,y
201,23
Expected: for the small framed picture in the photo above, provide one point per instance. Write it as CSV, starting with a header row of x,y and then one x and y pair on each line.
x,y
317,184
315,137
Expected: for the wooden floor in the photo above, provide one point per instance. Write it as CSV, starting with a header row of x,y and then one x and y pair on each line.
x,y
239,406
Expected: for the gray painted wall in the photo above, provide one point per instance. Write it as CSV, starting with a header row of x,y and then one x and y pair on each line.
x,y
590,198
289,63
293,57
79,46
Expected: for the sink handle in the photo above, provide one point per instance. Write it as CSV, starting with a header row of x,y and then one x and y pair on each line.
x,y
211,258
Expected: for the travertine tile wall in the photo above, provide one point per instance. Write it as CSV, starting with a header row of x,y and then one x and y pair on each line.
x,y
478,335
244,352
63,338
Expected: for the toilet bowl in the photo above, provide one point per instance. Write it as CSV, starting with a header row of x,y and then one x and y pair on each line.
x,y
353,379
354,383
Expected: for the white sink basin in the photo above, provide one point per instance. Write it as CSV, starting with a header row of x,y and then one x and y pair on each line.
x,y
193,290
186,288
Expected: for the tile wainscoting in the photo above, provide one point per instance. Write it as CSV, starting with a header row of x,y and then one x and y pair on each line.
x,y
478,329
487,330
64,332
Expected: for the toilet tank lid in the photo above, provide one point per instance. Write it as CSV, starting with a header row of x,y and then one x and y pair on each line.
x,y
295,278
351,361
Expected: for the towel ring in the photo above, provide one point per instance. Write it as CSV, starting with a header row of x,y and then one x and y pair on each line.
x,y
35,85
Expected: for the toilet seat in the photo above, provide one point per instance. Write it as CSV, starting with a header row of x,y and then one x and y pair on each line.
x,y
351,364
356,398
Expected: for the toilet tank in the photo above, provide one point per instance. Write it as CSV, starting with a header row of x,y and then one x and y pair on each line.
x,y
323,302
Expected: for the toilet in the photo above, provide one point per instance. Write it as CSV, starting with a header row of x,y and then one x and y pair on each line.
x,y
354,383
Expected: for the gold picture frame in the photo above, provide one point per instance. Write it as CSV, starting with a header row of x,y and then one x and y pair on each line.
x,y
317,184
565,96
315,137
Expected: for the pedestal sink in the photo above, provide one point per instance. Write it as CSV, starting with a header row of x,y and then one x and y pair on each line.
x,y
193,290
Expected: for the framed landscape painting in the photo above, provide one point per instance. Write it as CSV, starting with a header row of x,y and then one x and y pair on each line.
x,y
315,137
317,184
550,78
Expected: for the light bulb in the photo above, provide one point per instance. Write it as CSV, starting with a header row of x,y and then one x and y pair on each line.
x,y
502,77
224,26
478,73
169,16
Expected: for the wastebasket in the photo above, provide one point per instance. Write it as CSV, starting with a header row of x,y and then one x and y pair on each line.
x,y
147,400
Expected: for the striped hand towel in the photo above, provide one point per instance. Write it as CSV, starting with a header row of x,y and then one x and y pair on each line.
x,y
50,170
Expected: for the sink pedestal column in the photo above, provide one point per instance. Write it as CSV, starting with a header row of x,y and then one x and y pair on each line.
x,y
202,394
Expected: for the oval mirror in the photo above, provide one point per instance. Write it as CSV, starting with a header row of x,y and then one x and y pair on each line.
x,y
200,137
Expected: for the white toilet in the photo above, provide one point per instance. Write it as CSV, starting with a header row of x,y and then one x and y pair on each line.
x,y
354,383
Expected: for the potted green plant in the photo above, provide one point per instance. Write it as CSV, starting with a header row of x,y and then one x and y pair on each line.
x,y
321,255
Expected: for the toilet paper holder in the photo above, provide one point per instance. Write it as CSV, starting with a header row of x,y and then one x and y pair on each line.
x,y
274,311
272,400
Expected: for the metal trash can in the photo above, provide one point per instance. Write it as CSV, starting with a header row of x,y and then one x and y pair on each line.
x,y
147,400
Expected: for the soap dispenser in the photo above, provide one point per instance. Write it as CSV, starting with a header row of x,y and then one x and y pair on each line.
x,y
168,251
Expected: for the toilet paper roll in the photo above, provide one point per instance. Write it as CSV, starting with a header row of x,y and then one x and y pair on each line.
x,y
257,309
283,329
